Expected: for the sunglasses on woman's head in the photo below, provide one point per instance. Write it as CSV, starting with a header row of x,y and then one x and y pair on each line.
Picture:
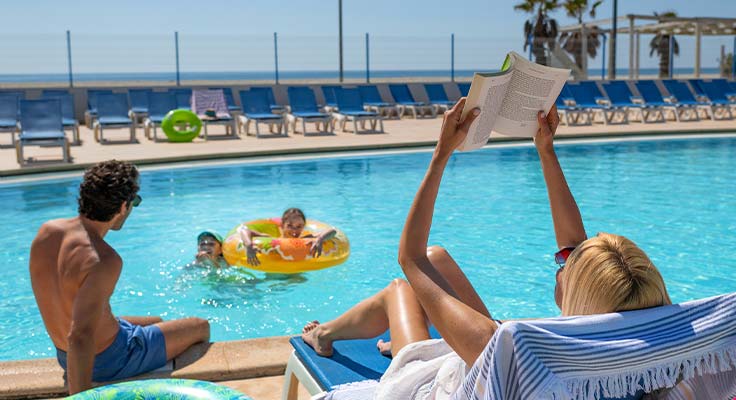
x,y
562,255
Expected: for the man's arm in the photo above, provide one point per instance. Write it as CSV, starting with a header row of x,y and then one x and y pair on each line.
x,y
566,218
92,298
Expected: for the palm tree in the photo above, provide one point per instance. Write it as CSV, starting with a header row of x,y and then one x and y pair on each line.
x,y
541,28
572,42
660,44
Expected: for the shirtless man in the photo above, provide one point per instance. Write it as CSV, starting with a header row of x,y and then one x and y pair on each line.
x,y
74,273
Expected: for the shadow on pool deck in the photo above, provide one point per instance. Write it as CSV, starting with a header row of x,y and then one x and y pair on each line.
x,y
216,362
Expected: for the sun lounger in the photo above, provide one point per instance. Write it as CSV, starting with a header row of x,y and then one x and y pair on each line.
x,y
688,350
91,113
718,99
213,100
9,112
620,96
183,98
570,114
652,96
112,112
275,107
257,109
138,103
682,94
41,125
464,89
405,101
67,111
304,107
229,99
328,91
591,100
438,97
372,101
159,104
350,108
352,361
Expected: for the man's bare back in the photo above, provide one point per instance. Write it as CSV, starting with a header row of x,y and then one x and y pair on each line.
x,y
63,254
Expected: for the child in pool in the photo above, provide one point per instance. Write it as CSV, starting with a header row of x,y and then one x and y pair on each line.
x,y
292,226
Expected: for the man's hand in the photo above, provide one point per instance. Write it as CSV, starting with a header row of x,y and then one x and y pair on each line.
x,y
316,249
454,130
547,127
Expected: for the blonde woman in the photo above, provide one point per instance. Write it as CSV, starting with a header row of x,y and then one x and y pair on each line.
x,y
605,273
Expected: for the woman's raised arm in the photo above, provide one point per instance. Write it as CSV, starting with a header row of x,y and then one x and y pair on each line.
x,y
568,223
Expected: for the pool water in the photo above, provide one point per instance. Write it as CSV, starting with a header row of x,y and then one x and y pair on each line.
x,y
675,198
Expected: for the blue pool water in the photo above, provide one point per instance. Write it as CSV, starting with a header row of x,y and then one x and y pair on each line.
x,y
675,198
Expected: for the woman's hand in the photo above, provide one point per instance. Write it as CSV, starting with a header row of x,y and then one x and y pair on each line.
x,y
251,252
316,249
454,130
547,127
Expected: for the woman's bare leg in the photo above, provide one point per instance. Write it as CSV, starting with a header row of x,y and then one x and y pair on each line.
x,y
395,307
448,268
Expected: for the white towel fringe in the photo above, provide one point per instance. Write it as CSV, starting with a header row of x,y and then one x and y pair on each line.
x,y
649,379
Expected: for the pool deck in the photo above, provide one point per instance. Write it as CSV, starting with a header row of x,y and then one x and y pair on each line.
x,y
399,134
254,366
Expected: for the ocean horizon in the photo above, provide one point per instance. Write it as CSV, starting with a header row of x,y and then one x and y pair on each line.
x,y
270,76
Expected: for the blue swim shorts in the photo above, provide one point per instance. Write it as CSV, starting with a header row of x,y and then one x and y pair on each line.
x,y
136,349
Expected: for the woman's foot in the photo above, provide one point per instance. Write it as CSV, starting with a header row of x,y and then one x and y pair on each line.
x,y
313,335
384,347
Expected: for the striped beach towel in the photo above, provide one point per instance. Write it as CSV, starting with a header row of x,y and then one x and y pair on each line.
x,y
203,100
690,347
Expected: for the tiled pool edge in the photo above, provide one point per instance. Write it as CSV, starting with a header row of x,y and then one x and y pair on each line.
x,y
219,361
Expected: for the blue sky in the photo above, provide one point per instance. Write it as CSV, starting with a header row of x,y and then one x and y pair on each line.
x,y
136,35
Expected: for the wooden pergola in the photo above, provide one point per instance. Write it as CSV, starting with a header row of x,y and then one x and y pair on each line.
x,y
687,26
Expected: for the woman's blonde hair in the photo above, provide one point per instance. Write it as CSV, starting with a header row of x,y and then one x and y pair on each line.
x,y
609,273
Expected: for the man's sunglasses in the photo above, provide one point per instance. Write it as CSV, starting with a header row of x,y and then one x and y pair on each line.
x,y
562,255
136,201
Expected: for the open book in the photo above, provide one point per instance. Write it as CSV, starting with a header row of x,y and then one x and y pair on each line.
x,y
510,100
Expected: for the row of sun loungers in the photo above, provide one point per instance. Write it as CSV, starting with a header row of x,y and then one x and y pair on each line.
x,y
363,107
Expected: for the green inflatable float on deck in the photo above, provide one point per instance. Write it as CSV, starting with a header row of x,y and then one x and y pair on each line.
x,y
181,125
168,389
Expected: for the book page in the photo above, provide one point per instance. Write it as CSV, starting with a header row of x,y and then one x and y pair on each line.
x,y
532,88
486,92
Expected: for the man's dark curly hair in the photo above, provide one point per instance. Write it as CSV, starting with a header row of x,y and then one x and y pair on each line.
x,y
105,187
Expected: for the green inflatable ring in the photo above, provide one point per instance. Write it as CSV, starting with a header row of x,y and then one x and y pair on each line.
x,y
169,389
181,125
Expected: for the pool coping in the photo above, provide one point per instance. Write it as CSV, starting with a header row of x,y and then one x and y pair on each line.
x,y
42,171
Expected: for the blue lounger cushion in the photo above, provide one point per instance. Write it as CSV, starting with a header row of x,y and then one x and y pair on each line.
x,y
307,114
262,116
351,361
360,113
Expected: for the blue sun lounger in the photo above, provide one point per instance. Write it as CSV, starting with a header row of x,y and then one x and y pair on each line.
x,y
256,108
620,96
570,113
589,98
183,98
159,104
275,107
438,97
91,113
350,108
229,99
67,111
41,125
718,99
328,91
304,107
112,112
464,89
138,103
372,101
204,100
405,101
652,96
9,112
682,95
352,361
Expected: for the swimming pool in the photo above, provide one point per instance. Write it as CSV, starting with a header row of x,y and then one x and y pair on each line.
x,y
675,198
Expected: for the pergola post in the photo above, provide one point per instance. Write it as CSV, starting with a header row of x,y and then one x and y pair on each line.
x,y
637,54
631,46
584,49
697,49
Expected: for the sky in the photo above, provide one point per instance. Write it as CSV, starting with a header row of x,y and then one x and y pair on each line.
x,y
137,35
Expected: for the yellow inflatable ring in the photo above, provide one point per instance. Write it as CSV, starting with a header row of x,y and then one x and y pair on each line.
x,y
285,255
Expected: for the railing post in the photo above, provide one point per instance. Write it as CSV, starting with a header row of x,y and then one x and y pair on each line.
x,y
276,57
69,57
339,6
733,60
452,57
176,46
368,59
672,55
